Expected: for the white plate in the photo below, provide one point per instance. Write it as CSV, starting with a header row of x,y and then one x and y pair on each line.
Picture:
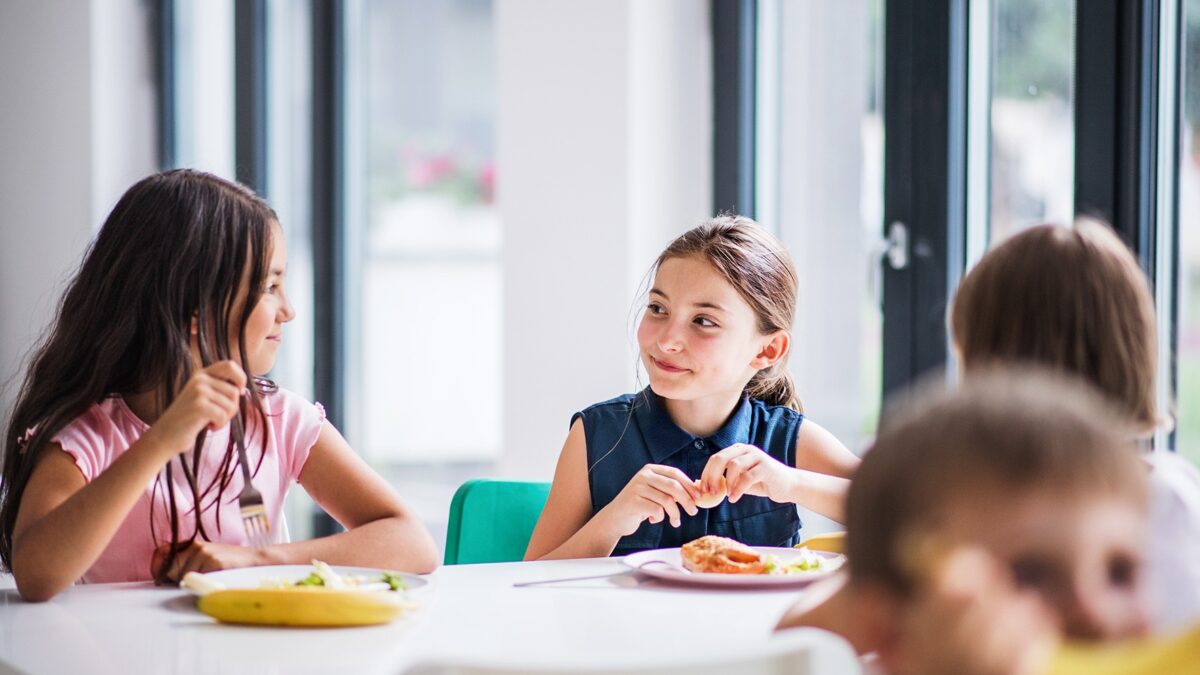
x,y
651,564
252,577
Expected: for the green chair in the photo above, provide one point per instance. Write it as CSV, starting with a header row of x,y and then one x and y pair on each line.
x,y
492,520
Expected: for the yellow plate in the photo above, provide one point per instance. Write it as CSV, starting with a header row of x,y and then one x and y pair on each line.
x,y
1152,656
832,542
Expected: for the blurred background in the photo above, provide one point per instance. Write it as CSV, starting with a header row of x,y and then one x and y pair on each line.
x,y
473,190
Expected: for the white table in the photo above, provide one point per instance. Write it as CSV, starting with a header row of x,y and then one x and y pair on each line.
x,y
469,611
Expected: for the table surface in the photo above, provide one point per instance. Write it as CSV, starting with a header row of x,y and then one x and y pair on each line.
x,y
469,612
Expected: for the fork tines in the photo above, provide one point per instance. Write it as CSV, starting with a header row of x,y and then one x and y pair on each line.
x,y
254,514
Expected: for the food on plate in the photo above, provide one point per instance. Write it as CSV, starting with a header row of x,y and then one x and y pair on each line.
x,y
721,555
200,584
302,606
708,500
805,561
322,576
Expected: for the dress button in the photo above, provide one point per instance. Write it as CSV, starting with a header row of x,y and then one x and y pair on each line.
x,y
699,444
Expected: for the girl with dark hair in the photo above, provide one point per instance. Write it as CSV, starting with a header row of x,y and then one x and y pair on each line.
x,y
720,418
121,460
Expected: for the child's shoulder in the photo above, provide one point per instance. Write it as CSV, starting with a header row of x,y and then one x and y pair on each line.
x,y
619,404
278,401
103,416
771,411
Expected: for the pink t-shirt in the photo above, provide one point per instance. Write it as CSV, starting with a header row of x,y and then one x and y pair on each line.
x,y
99,436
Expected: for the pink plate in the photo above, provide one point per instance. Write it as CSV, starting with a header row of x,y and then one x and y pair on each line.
x,y
665,564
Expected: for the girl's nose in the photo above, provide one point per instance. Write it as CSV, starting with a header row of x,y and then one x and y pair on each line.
x,y
286,311
669,340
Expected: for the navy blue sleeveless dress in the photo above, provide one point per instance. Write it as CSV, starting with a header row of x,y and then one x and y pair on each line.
x,y
628,432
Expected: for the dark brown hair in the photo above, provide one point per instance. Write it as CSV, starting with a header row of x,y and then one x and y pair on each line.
x,y
1015,431
756,264
1067,298
179,245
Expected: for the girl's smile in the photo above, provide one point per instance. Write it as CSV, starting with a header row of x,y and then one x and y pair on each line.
x,y
667,366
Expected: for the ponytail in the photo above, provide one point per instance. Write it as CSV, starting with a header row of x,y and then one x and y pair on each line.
x,y
775,386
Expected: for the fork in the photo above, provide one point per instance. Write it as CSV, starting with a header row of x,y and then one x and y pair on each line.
x,y
254,514
671,565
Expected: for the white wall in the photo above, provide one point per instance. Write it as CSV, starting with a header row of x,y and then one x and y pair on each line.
x,y
77,126
604,141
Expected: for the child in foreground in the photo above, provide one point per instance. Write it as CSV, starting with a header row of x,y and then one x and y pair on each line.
x,y
120,459
720,417
1012,486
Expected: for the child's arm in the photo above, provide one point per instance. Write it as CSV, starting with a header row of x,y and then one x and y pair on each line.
x,y
380,530
819,451
64,523
567,529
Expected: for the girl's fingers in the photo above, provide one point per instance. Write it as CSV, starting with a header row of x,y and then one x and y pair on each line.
x,y
182,563
225,389
715,468
747,478
229,371
654,512
719,465
735,468
679,477
668,506
675,491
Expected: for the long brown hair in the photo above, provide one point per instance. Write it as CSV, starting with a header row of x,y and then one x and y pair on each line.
x,y
1068,298
756,264
177,247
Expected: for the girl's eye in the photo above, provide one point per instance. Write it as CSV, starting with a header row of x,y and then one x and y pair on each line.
x,y
1122,571
655,308
705,322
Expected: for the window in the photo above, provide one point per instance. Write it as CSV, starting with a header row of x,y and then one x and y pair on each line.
x,y
425,258
1187,327
203,103
820,187
1032,117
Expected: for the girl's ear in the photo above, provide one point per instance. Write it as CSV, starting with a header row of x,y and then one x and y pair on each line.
x,y
776,348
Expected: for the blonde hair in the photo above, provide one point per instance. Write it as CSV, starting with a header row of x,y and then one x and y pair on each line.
x,y
1069,298
756,264
1014,431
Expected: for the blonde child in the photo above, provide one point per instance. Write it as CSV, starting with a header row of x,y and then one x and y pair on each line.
x,y
1073,299
1015,479
121,461
720,415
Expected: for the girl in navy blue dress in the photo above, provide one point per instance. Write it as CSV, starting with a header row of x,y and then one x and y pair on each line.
x,y
720,425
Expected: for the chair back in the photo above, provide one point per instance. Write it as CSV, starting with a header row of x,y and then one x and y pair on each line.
x,y
492,520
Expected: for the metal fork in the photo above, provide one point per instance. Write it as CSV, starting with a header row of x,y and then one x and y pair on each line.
x,y
254,514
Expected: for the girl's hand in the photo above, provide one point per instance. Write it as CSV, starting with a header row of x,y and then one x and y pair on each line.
x,y
654,493
749,471
205,556
209,399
